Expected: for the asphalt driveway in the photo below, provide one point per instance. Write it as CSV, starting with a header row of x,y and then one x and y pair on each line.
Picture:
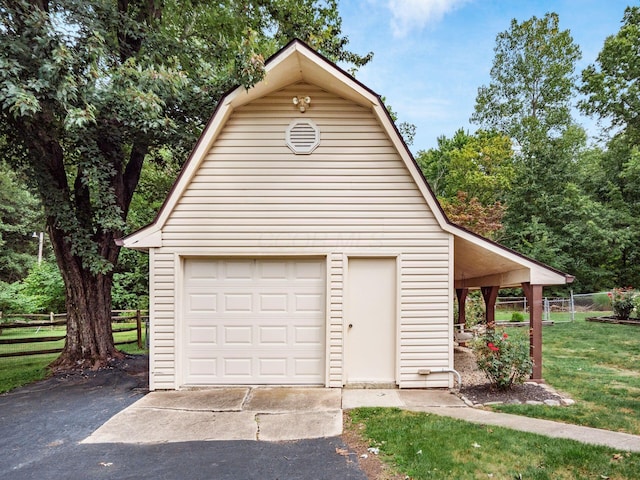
x,y
42,425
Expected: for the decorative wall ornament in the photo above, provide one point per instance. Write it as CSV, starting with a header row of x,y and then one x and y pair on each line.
x,y
303,136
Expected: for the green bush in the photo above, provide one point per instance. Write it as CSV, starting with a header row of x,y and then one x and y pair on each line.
x,y
44,284
601,302
131,282
517,317
41,291
504,360
12,299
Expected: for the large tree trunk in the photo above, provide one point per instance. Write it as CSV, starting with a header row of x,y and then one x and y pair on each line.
x,y
69,212
89,341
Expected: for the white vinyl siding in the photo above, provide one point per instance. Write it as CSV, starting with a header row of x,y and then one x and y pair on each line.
x,y
162,362
336,310
252,196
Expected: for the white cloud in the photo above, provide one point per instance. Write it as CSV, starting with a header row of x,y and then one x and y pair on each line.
x,y
407,15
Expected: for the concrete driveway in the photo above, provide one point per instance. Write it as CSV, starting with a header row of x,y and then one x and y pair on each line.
x,y
251,413
235,413
101,425
42,427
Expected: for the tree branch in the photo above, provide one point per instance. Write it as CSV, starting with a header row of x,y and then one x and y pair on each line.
x,y
131,175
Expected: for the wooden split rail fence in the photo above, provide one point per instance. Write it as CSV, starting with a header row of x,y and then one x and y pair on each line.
x,y
29,325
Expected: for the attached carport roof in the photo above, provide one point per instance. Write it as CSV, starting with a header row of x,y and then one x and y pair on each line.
x,y
479,262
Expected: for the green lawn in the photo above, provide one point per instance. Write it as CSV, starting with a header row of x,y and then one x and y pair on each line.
x,y
18,371
425,446
21,370
596,364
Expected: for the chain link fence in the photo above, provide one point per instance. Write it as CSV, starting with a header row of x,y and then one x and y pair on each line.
x,y
515,309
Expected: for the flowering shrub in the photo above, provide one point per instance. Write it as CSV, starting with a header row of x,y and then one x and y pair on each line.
x,y
504,360
623,302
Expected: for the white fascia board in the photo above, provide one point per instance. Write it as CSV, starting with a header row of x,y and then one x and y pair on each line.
x,y
543,276
148,237
513,278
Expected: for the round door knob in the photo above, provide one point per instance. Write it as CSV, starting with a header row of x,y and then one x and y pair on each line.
x,y
351,325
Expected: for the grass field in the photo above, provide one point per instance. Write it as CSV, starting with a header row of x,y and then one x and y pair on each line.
x,y
596,364
21,370
426,446
18,371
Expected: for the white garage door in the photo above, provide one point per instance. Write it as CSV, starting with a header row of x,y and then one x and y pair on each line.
x,y
253,321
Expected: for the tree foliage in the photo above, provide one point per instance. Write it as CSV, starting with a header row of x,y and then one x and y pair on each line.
x,y
612,85
612,177
20,216
570,207
485,220
481,165
91,89
41,291
610,236
532,82
407,130
471,176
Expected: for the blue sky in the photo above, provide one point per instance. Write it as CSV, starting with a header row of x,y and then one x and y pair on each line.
x,y
430,56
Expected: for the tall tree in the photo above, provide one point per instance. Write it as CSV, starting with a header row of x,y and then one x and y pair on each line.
x,y
607,236
612,94
90,89
532,82
529,99
480,165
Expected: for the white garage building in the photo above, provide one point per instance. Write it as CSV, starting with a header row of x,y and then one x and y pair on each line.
x,y
301,245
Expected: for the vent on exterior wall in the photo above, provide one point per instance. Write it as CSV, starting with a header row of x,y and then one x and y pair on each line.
x,y
303,136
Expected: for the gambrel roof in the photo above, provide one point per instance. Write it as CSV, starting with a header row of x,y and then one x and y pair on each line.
x,y
477,261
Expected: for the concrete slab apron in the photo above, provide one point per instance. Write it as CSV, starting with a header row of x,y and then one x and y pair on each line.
x,y
238,413
406,399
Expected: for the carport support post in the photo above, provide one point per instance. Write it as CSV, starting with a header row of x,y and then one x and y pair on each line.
x,y
534,298
490,295
461,293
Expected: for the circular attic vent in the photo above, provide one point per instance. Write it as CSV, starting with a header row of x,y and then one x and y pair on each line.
x,y
303,136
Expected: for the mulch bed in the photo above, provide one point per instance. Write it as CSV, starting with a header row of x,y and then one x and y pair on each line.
x,y
477,389
527,392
